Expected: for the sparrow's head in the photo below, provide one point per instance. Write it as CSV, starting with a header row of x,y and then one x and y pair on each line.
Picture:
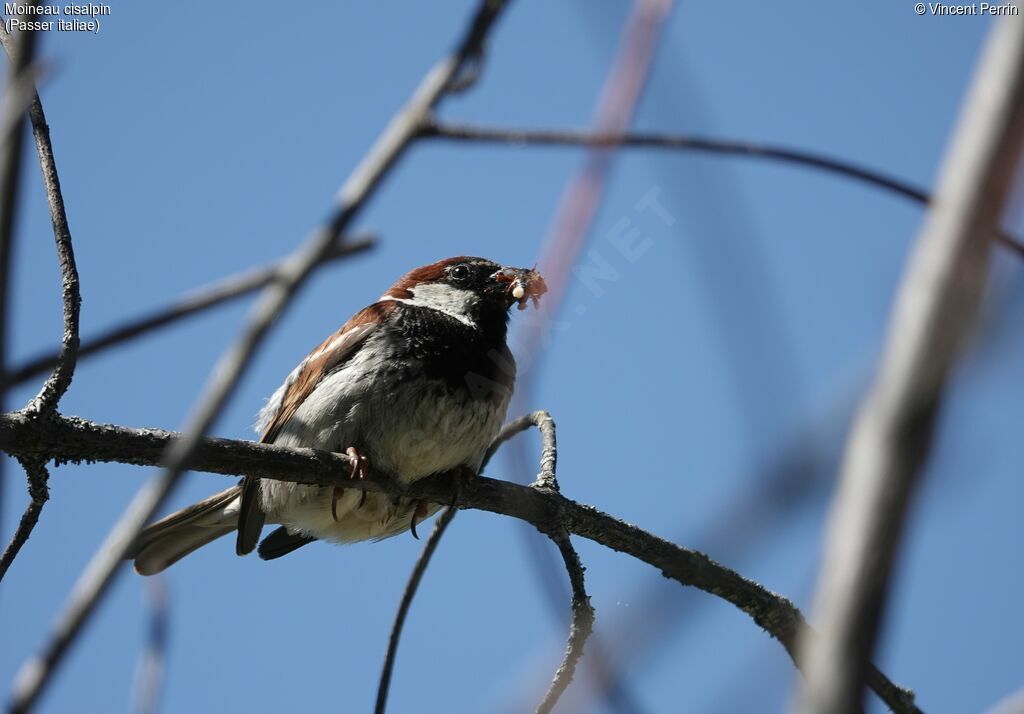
x,y
471,290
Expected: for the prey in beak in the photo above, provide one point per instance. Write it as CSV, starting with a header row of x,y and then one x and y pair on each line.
x,y
521,285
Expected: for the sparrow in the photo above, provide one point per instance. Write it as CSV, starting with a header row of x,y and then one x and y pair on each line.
x,y
416,384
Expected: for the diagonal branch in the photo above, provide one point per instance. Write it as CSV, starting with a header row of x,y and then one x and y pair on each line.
x,y
682,142
199,300
403,607
66,439
37,671
890,440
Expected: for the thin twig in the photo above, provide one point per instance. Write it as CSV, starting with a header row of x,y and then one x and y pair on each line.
x,y
403,607
68,439
150,671
37,671
516,137
38,494
890,439
549,444
580,627
196,301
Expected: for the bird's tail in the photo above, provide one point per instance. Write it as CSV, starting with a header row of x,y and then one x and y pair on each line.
x,y
172,538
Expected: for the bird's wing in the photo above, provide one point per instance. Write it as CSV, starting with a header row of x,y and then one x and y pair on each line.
x,y
281,407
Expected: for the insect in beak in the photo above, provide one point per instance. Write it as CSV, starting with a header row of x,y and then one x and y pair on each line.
x,y
522,285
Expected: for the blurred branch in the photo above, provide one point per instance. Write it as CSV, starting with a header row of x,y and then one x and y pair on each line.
x,y
37,672
1012,703
199,300
516,137
16,97
67,439
567,234
892,434
403,608
581,626
150,672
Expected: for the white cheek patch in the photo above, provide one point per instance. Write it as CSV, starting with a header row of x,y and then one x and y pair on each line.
x,y
450,300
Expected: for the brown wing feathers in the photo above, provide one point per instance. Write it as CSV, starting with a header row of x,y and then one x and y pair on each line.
x,y
327,356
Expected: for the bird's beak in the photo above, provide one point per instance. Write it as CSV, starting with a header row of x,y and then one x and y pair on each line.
x,y
520,285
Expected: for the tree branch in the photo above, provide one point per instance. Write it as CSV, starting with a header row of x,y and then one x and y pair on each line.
x,y
681,142
76,440
891,437
199,300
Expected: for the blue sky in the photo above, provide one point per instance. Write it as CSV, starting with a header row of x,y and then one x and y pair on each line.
x,y
193,144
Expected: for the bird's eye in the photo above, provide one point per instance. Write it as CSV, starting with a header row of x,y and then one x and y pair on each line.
x,y
459,273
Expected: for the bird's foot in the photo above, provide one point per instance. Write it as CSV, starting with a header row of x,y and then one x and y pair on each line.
x,y
360,468
418,514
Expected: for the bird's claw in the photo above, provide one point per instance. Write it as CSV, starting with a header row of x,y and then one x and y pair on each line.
x,y
360,468
418,514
